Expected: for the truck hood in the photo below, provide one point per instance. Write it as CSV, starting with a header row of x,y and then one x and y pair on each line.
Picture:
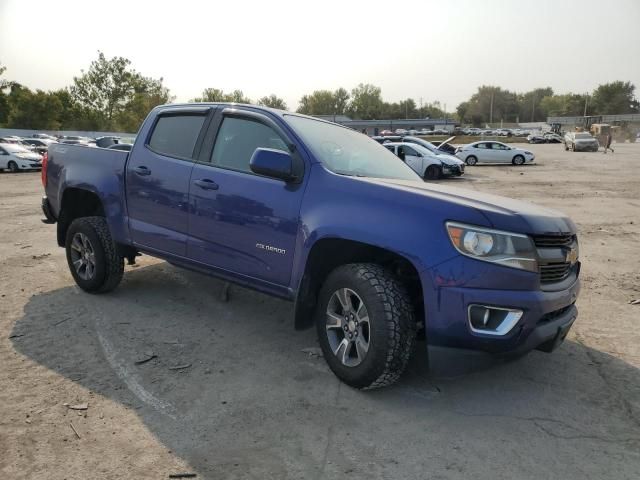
x,y
501,212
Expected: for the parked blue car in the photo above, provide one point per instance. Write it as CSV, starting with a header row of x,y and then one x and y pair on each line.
x,y
326,217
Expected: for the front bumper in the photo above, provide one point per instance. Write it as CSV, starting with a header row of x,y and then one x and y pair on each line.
x,y
547,317
452,170
589,147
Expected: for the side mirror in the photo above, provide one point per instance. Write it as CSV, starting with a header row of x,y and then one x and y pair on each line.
x,y
272,163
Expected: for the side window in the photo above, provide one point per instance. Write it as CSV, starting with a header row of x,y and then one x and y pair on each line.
x,y
176,135
238,138
410,151
391,148
497,146
481,145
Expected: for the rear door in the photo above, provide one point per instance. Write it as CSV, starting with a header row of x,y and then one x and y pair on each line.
x,y
157,180
241,222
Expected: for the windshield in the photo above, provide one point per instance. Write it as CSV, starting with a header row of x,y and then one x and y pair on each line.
x,y
9,147
583,136
348,152
427,145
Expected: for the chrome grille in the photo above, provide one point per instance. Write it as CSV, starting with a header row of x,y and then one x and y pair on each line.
x,y
554,272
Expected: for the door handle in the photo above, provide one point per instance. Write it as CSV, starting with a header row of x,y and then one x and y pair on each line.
x,y
207,184
142,171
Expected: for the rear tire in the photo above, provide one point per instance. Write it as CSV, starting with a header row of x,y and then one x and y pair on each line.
x,y
13,166
518,160
432,173
363,305
92,257
471,160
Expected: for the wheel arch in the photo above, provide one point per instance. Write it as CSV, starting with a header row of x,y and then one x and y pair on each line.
x,y
76,203
328,253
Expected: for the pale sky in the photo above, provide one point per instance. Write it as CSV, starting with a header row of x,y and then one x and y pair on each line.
x,y
438,50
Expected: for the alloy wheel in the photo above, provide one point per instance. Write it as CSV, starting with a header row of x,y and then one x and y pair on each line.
x,y
348,327
83,256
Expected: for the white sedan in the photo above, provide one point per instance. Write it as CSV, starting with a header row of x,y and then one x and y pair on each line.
x,y
428,165
16,158
493,152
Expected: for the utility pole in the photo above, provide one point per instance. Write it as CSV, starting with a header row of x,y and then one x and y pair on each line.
x,y
533,107
491,109
586,101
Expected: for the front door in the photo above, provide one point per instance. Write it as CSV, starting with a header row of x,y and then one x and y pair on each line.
x,y
241,222
157,182
413,159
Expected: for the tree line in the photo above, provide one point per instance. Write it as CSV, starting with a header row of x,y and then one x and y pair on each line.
x,y
491,104
112,96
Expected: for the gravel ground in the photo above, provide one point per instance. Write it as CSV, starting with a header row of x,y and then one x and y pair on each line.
x,y
233,392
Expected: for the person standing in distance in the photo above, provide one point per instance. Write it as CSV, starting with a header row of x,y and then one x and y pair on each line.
x,y
607,144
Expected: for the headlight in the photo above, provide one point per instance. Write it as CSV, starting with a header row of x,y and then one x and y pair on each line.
x,y
528,153
504,248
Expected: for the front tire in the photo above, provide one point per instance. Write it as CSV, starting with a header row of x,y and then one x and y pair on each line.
x,y
432,173
518,160
92,257
365,324
471,160
13,166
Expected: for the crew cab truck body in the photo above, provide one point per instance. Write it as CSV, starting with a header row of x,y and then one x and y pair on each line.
x,y
318,214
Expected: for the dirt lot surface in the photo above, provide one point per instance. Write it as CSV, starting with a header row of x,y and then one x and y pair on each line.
x,y
230,393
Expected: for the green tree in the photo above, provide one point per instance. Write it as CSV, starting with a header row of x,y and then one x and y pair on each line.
x,y
530,108
147,94
110,87
615,97
36,110
273,101
366,102
341,101
319,102
489,105
218,95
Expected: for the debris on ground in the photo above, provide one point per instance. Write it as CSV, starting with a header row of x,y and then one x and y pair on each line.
x,y
631,302
74,430
313,351
79,406
38,257
183,475
16,335
145,357
180,367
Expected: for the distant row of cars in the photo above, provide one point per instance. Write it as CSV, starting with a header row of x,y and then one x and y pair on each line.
x,y
25,153
432,161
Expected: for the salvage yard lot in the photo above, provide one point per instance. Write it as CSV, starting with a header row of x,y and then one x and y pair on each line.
x,y
176,379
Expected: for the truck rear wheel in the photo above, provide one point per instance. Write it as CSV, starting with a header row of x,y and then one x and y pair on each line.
x,y
365,324
92,257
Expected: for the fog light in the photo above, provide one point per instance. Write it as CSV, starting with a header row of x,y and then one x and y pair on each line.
x,y
492,320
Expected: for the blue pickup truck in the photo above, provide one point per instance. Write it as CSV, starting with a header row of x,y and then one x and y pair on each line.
x,y
324,216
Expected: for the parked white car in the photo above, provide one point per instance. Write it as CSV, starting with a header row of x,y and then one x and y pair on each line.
x,y
428,165
493,152
15,158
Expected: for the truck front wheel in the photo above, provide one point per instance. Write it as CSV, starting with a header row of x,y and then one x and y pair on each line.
x,y
92,257
365,323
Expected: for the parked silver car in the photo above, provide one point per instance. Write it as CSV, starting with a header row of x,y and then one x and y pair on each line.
x,y
580,142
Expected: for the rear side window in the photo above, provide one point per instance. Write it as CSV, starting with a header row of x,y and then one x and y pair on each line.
x,y
176,135
238,138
